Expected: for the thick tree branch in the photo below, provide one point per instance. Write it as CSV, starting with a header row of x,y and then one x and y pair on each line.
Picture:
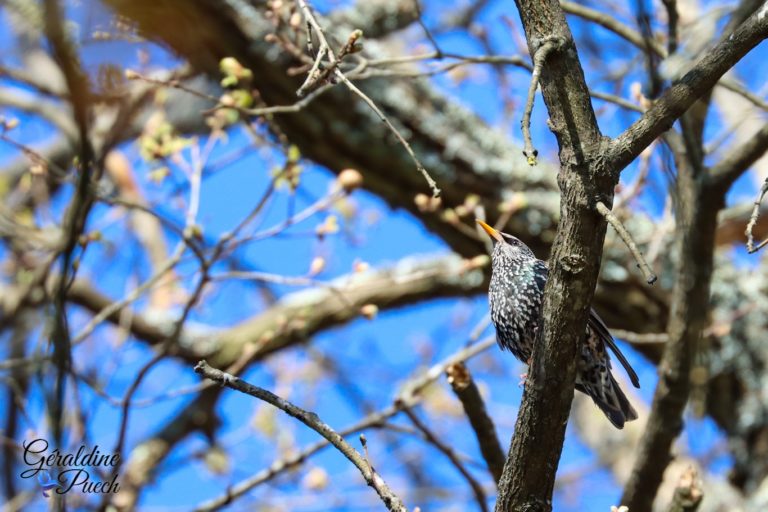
x,y
698,204
529,473
739,159
297,316
685,91
572,263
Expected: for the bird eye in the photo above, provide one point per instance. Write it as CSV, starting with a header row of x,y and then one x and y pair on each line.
x,y
510,239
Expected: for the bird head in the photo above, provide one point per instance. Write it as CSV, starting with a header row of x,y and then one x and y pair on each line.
x,y
505,245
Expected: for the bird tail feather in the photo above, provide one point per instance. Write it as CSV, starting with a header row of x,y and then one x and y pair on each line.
x,y
612,401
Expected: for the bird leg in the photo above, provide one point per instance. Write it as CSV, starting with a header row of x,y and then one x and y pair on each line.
x,y
524,376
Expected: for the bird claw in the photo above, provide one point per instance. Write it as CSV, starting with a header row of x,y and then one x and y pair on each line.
x,y
524,376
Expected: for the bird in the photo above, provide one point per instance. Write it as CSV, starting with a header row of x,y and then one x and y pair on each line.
x,y
516,294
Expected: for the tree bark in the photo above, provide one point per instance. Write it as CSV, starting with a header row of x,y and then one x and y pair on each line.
x,y
529,473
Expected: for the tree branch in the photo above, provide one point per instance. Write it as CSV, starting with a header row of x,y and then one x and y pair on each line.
x,y
300,314
648,274
698,203
739,159
474,407
529,473
446,450
310,419
685,91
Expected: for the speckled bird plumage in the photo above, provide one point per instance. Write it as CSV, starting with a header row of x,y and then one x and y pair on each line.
x,y
516,293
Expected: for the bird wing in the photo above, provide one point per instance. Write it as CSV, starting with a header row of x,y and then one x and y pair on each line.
x,y
599,327
602,331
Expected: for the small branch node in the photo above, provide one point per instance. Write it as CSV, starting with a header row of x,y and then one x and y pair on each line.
x,y
688,493
366,455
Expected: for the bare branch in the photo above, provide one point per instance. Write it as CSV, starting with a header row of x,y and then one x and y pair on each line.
x,y
640,339
740,158
372,478
325,49
280,466
474,407
549,45
298,315
452,457
681,95
150,453
648,274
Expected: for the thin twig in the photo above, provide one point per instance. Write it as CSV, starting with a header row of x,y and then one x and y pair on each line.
x,y
636,338
99,389
320,205
173,82
368,70
427,32
540,55
134,295
389,498
367,456
431,182
316,73
616,100
415,386
320,75
753,220
446,450
514,60
325,49
650,277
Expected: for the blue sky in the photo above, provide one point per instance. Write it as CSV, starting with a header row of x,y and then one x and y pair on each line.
x,y
376,355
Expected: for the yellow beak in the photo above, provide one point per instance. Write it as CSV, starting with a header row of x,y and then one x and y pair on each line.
x,y
488,229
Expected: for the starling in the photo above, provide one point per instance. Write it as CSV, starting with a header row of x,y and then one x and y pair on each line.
x,y
516,294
